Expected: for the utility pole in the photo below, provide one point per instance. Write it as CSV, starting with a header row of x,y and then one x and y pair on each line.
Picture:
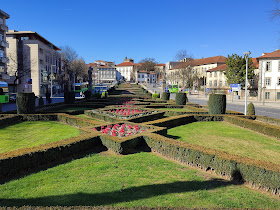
x,y
246,54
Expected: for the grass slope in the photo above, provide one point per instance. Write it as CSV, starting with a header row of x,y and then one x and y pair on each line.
x,y
229,138
34,133
141,179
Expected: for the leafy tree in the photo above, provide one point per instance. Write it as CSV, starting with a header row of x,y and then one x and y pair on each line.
x,y
236,73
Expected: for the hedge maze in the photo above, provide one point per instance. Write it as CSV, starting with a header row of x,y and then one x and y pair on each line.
x,y
127,121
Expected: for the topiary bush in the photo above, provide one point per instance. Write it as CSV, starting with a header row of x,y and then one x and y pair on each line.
x,y
165,96
181,98
156,95
217,104
97,95
69,97
104,94
251,109
25,103
41,101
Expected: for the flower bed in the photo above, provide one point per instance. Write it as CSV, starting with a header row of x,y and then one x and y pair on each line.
x,y
127,112
121,130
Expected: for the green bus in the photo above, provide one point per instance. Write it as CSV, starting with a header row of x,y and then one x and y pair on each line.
x,y
4,92
173,88
81,87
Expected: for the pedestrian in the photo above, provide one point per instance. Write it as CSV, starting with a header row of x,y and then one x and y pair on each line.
x,y
48,97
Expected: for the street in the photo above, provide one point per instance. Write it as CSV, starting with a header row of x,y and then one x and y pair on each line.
x,y
269,109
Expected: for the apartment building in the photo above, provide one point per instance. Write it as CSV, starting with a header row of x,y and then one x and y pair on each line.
x,y
3,45
35,63
143,76
197,68
269,76
126,69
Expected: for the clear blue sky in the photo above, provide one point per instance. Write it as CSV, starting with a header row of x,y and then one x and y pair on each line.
x,y
112,29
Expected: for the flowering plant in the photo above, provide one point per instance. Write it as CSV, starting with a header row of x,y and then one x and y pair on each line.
x,y
121,130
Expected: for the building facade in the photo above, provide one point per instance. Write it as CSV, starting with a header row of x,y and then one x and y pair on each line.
x,y
34,63
106,74
143,76
269,76
126,70
3,45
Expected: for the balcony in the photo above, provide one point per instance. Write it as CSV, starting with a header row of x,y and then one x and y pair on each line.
x,y
4,60
3,27
4,44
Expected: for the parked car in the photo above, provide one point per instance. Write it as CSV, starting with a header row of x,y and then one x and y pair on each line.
x,y
13,97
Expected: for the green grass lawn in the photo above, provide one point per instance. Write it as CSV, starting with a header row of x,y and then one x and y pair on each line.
x,y
84,116
34,133
229,138
141,179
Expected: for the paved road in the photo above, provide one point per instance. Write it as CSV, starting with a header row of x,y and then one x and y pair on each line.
x,y
269,109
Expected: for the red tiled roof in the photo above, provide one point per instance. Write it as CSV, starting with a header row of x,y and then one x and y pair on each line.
x,y
92,65
275,54
222,67
126,64
197,62
160,64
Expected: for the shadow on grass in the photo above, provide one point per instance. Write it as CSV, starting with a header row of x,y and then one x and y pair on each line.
x,y
118,196
171,136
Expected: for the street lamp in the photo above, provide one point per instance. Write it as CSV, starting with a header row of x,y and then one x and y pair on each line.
x,y
51,80
246,55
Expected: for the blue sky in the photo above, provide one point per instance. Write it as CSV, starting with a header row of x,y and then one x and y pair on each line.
x,y
112,29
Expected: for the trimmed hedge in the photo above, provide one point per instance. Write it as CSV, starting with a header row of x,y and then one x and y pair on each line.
x,y
251,109
69,97
15,163
259,174
88,94
165,96
25,103
217,104
181,98
270,130
41,101
156,95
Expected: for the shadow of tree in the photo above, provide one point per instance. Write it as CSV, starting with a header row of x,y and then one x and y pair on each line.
x,y
171,136
121,195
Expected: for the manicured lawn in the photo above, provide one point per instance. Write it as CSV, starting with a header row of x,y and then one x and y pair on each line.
x,y
141,179
84,116
229,138
34,133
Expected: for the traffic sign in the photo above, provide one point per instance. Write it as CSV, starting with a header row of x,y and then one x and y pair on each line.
x,y
235,87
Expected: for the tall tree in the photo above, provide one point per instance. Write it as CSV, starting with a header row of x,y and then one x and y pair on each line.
x,y
148,64
276,11
183,56
236,73
79,67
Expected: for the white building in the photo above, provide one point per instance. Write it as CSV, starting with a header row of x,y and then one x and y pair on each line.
x,y
34,63
143,76
126,69
269,78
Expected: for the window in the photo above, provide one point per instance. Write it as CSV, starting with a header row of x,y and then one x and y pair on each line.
x,y
210,74
41,50
268,66
138,76
267,95
267,81
220,83
252,82
142,75
210,83
225,83
278,81
278,95
215,74
1,53
24,38
215,83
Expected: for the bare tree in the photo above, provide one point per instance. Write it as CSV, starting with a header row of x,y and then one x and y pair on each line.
x,y
183,56
276,11
20,64
79,67
148,64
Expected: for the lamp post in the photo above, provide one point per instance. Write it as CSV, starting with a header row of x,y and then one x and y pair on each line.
x,y
52,80
246,54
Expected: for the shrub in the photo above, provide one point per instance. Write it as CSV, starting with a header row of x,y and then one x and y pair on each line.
x,y
104,94
69,97
181,98
217,104
25,103
41,101
97,95
251,109
156,95
88,94
165,96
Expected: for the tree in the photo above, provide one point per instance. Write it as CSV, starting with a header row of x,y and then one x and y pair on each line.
x,y
276,11
183,56
20,64
148,64
236,73
79,67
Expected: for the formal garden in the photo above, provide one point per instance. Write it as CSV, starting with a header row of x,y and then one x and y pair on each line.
x,y
129,148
